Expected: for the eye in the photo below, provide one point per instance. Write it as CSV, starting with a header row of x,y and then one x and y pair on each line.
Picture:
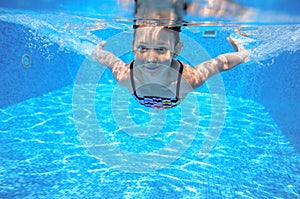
x,y
161,50
142,49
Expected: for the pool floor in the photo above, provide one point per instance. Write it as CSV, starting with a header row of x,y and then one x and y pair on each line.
x,y
42,156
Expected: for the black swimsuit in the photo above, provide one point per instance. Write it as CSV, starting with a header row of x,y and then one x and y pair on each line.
x,y
155,101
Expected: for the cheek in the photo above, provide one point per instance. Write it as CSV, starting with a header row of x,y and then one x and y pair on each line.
x,y
166,57
139,59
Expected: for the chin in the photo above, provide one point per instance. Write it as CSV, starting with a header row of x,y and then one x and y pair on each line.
x,y
151,73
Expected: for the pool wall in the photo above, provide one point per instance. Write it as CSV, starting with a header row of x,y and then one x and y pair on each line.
x,y
275,86
40,71
279,92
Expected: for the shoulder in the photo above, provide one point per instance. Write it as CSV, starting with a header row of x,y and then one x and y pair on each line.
x,y
123,74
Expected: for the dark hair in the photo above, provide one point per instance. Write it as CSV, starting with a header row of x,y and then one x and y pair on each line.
x,y
175,30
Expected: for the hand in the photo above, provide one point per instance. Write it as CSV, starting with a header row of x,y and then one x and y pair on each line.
x,y
235,44
243,53
98,51
100,46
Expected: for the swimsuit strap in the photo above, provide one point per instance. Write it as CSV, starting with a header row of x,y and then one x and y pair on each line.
x,y
131,78
178,79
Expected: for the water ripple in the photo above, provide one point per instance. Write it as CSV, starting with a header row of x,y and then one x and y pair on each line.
x,y
41,155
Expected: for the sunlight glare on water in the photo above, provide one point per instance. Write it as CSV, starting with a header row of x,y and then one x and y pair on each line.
x,y
58,154
76,33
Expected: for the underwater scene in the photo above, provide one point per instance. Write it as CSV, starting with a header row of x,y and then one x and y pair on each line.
x,y
70,129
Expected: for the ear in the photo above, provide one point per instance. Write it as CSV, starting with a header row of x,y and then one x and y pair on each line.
x,y
177,49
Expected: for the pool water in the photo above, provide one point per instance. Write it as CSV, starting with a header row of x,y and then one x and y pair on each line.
x,y
42,156
67,130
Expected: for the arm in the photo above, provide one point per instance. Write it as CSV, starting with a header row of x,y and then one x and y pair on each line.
x,y
108,59
230,60
219,64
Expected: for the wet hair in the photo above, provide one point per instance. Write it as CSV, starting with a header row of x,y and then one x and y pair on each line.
x,y
174,29
170,24
185,6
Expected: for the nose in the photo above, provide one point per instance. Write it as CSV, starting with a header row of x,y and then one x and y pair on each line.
x,y
151,56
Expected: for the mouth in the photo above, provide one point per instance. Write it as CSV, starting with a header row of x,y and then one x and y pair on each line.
x,y
151,68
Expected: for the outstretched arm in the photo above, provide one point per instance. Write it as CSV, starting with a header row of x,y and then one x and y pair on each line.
x,y
230,60
108,59
221,63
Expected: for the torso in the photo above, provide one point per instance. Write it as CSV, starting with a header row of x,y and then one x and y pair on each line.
x,y
163,86
166,89
158,94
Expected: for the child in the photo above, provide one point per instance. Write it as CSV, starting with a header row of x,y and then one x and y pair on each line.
x,y
156,78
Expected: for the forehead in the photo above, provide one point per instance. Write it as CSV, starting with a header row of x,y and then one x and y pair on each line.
x,y
152,34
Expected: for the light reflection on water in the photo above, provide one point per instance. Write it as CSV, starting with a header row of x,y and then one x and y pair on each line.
x,y
196,10
40,147
81,34
41,152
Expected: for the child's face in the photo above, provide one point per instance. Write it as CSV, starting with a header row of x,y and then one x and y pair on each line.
x,y
153,49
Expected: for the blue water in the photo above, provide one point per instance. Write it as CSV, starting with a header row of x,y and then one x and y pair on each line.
x,y
63,137
42,156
